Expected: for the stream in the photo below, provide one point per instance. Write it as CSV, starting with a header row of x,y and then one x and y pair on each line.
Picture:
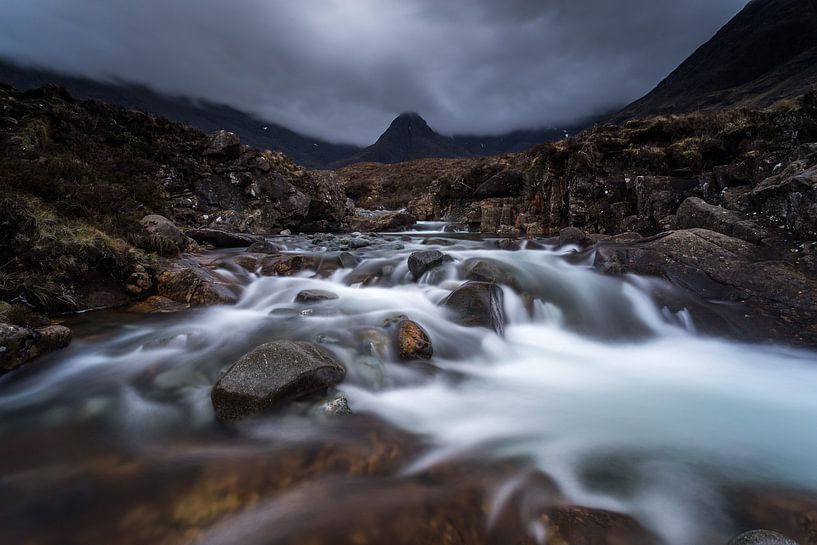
x,y
593,396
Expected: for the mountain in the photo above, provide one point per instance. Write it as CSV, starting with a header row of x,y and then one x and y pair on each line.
x,y
204,116
409,137
765,53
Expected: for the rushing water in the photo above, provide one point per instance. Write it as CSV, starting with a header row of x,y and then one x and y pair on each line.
x,y
593,396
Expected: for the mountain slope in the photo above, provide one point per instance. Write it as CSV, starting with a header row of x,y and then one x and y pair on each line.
x,y
409,138
204,116
765,53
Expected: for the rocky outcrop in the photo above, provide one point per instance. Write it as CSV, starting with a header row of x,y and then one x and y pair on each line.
x,y
696,213
273,374
478,304
758,294
165,238
19,344
218,238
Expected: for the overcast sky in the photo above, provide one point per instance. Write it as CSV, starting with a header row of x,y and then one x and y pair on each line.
x,y
342,69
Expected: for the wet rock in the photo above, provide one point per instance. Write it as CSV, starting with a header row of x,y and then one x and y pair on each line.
x,y
286,233
347,260
315,296
264,247
164,237
572,236
287,265
790,197
375,222
156,305
272,375
696,213
139,281
221,239
413,342
509,245
584,526
484,270
338,405
192,284
770,299
478,304
420,263
20,345
761,537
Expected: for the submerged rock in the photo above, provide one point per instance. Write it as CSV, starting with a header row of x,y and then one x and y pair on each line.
x,y
483,270
264,246
272,375
315,296
413,342
420,263
478,304
571,236
155,305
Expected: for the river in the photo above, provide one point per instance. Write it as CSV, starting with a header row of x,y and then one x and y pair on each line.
x,y
593,396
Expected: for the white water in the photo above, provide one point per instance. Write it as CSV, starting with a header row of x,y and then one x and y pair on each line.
x,y
620,402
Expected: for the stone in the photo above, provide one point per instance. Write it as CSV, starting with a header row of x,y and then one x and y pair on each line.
x,y
287,265
478,304
572,236
221,239
164,237
413,342
761,537
337,405
264,246
20,345
222,143
272,375
190,283
347,260
315,296
484,270
371,222
791,197
420,263
696,213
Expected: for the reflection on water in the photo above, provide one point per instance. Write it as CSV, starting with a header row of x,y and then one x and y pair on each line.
x,y
594,396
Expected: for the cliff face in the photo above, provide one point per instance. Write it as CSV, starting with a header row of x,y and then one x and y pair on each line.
x,y
766,53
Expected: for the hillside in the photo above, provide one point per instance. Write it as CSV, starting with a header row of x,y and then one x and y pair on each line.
x,y
765,53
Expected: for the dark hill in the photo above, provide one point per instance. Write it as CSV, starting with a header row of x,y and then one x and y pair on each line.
x,y
204,116
765,53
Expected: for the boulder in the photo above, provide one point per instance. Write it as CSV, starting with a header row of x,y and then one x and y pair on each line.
x,y
287,265
315,296
412,341
221,239
20,345
572,236
768,298
164,237
371,222
478,304
484,270
272,375
420,263
222,144
264,246
347,260
696,213
790,197
191,284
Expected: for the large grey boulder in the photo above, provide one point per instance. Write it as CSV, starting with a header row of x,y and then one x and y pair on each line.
x,y
420,263
272,375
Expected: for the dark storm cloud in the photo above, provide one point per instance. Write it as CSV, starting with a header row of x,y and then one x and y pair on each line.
x,y
342,69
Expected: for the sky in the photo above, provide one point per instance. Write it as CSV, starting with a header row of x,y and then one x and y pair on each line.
x,y
343,69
